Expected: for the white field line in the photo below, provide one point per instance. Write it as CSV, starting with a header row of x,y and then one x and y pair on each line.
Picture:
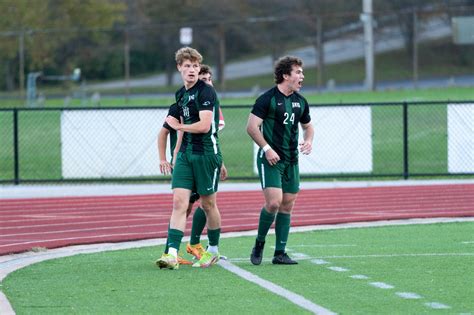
x,y
321,259
338,269
381,285
408,295
272,287
437,305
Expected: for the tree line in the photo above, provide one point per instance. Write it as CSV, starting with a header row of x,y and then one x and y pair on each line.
x,y
112,38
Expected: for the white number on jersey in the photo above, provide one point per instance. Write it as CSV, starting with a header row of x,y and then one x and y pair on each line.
x,y
289,117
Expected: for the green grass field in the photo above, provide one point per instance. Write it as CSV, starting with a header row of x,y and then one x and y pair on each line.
x,y
348,271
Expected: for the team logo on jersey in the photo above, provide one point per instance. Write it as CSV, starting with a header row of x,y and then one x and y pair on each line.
x,y
206,103
295,104
191,98
279,104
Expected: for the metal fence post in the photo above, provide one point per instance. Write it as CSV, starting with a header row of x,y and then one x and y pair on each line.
x,y
405,141
16,168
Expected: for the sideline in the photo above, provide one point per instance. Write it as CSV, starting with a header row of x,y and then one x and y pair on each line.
x,y
10,263
78,190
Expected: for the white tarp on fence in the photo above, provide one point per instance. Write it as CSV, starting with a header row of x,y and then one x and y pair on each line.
x,y
342,141
110,143
461,138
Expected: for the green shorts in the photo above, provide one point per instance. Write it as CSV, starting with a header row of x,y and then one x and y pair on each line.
x,y
198,173
282,175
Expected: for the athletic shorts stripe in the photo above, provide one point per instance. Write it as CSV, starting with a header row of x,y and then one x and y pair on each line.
x,y
263,175
214,179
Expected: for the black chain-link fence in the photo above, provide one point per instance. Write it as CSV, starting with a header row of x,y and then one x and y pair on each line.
x,y
351,141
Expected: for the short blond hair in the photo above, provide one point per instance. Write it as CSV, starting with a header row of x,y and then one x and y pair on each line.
x,y
187,53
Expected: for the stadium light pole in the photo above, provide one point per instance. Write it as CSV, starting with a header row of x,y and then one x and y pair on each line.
x,y
367,18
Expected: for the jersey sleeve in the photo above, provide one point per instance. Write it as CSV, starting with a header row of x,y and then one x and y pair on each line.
x,y
173,111
305,117
207,98
260,108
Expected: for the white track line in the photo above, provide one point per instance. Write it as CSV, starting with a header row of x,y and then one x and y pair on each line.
x,y
270,286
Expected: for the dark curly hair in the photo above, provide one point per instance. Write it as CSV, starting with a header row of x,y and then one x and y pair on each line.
x,y
284,65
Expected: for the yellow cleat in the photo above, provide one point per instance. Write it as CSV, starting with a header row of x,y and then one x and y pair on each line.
x,y
207,260
168,261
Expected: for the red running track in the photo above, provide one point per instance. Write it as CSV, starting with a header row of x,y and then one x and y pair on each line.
x,y
56,222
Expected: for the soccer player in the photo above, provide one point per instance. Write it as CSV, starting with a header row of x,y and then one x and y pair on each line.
x,y
198,161
273,125
199,217
194,247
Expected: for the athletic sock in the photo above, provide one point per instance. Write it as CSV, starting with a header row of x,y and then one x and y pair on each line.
x,y
199,222
213,236
167,241
264,224
213,249
174,238
282,229
173,251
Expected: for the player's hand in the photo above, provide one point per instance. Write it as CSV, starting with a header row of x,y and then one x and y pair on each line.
x,y
173,122
165,167
272,157
306,147
223,172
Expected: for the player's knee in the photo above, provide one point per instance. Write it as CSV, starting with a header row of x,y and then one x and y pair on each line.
x,y
272,206
180,204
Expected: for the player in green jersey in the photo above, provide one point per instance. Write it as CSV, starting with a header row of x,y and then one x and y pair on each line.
x,y
194,247
198,161
273,125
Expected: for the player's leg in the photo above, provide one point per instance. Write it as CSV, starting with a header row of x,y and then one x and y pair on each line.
x,y
206,175
270,180
290,186
211,255
182,183
194,247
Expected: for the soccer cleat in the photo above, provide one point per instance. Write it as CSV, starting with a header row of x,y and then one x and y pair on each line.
x,y
183,261
196,250
207,260
168,261
283,259
257,253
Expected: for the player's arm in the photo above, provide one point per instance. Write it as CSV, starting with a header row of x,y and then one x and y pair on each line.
x,y
223,172
253,129
221,120
179,140
308,134
165,166
201,126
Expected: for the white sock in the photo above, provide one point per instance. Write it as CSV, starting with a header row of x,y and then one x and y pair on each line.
x,y
213,249
173,251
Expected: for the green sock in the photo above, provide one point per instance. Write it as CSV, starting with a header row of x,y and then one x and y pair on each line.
x,y
167,241
282,229
199,222
264,224
213,236
174,238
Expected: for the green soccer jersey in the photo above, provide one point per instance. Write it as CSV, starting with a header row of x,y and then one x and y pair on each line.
x,y
281,115
190,102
